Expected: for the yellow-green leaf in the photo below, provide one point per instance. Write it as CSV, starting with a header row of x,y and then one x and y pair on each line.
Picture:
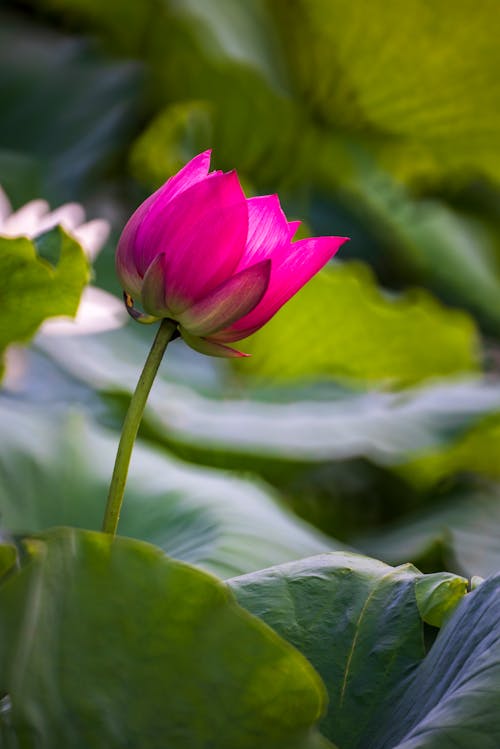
x,y
32,288
342,325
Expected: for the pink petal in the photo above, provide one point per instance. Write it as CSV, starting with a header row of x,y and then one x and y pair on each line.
x,y
202,232
292,227
292,268
267,229
228,302
194,171
212,348
153,288
126,255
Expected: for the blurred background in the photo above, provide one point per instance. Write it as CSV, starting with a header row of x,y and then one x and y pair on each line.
x,y
369,414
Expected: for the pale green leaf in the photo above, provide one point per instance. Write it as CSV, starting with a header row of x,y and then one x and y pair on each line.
x,y
402,80
438,595
274,425
56,470
341,325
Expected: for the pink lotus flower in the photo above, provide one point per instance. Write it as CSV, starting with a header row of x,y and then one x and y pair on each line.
x,y
199,252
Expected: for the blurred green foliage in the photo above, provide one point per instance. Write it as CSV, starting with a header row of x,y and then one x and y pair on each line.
x,y
394,341
370,406
366,133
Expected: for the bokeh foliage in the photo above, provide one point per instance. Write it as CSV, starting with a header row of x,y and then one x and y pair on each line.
x,y
367,418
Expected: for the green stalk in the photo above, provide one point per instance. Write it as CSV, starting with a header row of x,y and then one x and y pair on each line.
x,y
131,425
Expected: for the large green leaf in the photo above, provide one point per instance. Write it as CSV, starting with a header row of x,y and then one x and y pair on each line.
x,y
414,106
402,80
315,424
340,325
451,700
135,649
356,620
56,470
32,288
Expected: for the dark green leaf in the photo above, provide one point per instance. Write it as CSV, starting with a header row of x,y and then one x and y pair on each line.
x,y
355,619
451,701
64,109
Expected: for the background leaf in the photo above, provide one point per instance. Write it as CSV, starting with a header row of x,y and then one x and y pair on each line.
x,y
474,451
461,530
64,109
418,101
350,330
59,474
422,241
32,289
313,423
342,458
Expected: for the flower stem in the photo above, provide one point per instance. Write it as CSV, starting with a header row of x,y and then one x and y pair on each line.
x,y
131,425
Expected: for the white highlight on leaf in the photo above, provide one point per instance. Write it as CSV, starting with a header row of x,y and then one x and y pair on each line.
x,y
35,218
98,311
